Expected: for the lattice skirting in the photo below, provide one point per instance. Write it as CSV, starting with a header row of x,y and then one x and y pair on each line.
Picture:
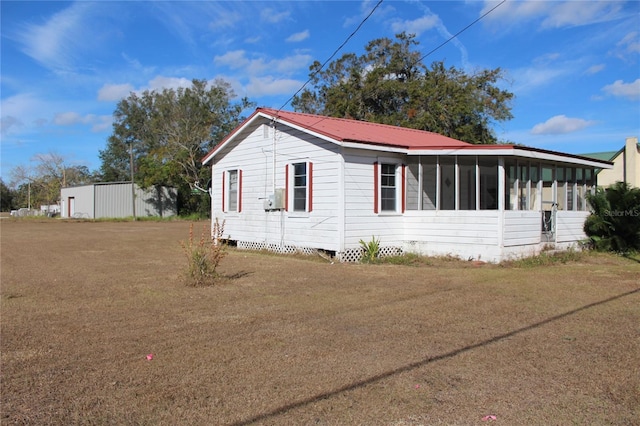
x,y
351,255
355,255
276,248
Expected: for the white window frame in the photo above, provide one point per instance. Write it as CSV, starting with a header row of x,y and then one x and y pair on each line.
x,y
227,208
397,181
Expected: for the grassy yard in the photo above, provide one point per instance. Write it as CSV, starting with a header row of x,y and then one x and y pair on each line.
x,y
294,341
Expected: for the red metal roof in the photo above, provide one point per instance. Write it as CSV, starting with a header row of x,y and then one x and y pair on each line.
x,y
345,130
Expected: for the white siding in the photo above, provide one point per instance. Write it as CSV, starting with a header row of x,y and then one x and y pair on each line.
x,y
361,222
570,226
522,227
254,155
466,234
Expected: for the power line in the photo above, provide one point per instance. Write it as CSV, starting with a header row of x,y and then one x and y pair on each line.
x,y
462,30
333,54
420,60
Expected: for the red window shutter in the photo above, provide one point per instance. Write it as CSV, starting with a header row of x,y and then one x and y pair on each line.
x,y
286,188
375,187
404,187
223,209
310,185
239,191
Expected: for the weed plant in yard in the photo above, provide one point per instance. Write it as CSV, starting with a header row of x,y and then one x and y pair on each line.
x,y
289,341
204,255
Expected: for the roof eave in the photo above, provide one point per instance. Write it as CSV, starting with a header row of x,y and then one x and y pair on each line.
x,y
234,133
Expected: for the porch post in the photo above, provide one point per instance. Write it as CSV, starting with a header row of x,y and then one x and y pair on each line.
x,y
501,195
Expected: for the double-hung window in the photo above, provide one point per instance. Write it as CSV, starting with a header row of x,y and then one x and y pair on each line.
x,y
389,187
300,187
299,177
232,190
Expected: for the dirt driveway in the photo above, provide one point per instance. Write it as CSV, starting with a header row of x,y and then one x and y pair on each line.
x,y
290,341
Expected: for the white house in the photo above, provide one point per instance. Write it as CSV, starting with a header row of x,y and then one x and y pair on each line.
x,y
289,182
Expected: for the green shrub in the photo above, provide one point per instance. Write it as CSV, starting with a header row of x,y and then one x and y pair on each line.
x,y
204,255
614,223
370,250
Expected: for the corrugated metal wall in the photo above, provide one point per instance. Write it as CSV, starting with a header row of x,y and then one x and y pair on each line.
x,y
114,200
111,200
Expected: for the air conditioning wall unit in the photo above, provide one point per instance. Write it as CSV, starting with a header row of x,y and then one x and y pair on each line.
x,y
275,201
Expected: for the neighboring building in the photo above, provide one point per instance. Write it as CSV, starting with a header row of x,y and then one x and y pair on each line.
x,y
50,210
626,164
114,200
290,182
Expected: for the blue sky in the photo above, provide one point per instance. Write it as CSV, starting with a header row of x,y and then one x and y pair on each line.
x,y
574,66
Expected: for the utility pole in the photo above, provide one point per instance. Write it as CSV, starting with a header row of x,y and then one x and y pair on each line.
x,y
133,189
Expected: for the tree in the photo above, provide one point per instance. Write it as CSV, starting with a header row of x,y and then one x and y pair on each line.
x,y
389,84
7,196
41,183
167,132
614,223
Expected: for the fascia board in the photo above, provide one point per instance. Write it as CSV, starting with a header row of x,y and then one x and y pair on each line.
x,y
515,152
371,147
234,136
304,130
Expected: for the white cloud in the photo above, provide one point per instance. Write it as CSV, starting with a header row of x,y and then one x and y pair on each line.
x,y
628,47
233,59
67,118
624,90
101,123
577,13
264,86
65,37
9,123
301,36
237,59
551,14
560,124
161,82
114,92
225,20
416,26
594,69
98,123
273,17
20,105
528,79
432,21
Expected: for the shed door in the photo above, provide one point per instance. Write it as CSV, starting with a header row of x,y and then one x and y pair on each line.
x,y
71,206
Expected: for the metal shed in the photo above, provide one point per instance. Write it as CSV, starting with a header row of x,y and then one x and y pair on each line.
x,y
113,200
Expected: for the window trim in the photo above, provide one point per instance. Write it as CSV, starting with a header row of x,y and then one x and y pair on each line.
x,y
289,193
226,191
400,186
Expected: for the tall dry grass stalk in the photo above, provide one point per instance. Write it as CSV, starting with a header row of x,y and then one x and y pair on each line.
x,y
204,255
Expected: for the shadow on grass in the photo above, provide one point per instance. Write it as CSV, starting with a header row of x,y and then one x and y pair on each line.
x,y
237,275
418,364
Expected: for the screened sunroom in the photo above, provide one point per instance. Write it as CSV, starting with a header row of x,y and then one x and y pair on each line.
x,y
499,202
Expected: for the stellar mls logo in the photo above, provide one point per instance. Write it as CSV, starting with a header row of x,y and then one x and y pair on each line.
x,y
620,213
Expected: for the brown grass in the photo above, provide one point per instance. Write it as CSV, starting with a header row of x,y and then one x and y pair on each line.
x,y
293,341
